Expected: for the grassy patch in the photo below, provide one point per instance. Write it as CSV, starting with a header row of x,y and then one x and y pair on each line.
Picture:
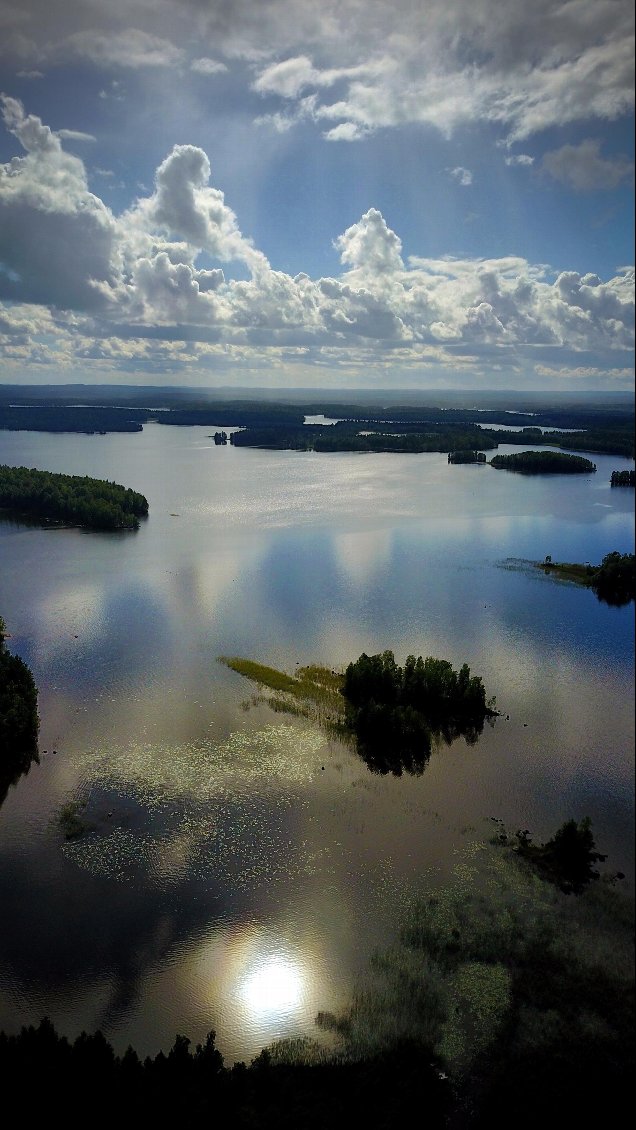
x,y
313,692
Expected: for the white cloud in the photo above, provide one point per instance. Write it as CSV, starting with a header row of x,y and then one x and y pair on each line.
x,y
56,237
464,176
129,48
75,135
582,167
447,63
370,247
85,283
207,66
186,207
520,159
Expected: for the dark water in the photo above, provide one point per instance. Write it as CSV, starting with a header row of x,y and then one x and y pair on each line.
x,y
240,868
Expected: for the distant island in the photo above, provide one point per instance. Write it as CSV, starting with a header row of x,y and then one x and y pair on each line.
x,y
623,479
392,713
466,457
19,722
69,500
613,581
543,463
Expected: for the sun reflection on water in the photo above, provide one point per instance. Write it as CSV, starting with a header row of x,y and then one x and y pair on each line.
x,y
273,988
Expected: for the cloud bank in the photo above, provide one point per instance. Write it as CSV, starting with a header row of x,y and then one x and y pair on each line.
x,y
354,67
154,284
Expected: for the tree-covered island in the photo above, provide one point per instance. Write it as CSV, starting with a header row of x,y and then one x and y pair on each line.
x,y
393,714
613,581
75,500
19,722
623,479
543,463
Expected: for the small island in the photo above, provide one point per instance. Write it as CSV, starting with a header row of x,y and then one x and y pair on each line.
x,y
613,581
71,500
623,479
543,463
467,457
19,722
393,714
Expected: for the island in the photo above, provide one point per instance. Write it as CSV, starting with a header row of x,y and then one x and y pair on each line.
x,y
543,463
467,456
623,479
613,581
71,500
19,721
393,715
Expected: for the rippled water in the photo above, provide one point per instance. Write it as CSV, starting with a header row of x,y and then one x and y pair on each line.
x,y
238,867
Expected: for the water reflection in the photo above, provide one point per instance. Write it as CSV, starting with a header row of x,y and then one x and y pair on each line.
x,y
274,988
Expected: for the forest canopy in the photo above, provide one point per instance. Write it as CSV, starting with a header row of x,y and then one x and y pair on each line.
x,y
70,499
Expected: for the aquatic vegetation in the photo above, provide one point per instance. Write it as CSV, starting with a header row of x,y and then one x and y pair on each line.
x,y
498,970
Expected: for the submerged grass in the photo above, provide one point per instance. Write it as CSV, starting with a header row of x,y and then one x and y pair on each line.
x,y
313,692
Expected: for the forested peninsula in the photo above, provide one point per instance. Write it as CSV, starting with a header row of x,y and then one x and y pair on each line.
x,y
75,500
613,581
19,722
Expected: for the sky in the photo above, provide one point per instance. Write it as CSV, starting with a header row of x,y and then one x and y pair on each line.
x,y
352,194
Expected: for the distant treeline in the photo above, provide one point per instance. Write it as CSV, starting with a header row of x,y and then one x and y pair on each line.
x,y
234,415
19,722
543,462
346,437
602,429
72,419
71,499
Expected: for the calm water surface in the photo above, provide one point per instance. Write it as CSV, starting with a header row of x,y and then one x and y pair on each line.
x,y
240,868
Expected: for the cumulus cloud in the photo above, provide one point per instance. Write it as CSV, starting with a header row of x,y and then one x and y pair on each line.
x,y
102,282
185,206
46,209
582,167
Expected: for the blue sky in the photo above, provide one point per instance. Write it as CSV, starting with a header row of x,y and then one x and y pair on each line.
x,y
363,193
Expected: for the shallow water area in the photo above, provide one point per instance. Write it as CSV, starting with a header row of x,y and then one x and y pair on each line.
x,y
239,867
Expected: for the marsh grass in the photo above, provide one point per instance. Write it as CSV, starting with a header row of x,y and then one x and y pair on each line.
x,y
313,692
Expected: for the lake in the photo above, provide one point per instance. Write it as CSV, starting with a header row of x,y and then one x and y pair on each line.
x,y
240,867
